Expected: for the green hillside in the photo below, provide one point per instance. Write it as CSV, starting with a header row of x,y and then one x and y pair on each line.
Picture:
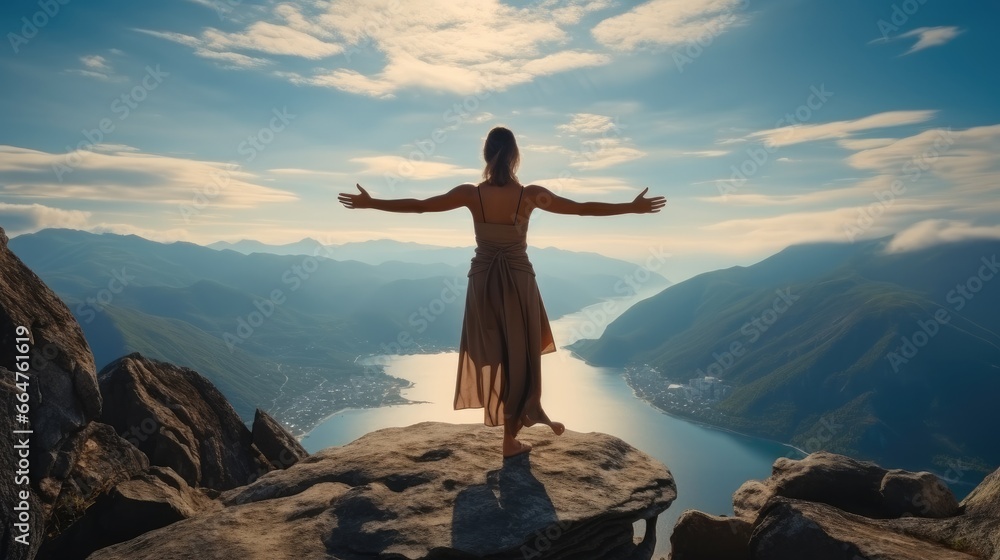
x,y
811,344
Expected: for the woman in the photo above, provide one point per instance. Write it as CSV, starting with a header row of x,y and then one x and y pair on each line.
x,y
505,330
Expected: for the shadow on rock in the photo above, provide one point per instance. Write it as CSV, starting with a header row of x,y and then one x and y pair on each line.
x,y
495,516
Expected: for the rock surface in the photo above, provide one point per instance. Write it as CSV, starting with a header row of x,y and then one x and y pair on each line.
x,y
700,536
151,499
180,420
828,506
433,490
796,529
272,439
63,387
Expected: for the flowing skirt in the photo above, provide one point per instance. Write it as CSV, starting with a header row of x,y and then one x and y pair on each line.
x,y
504,334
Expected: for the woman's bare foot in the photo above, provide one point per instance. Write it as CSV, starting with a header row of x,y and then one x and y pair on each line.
x,y
557,428
512,447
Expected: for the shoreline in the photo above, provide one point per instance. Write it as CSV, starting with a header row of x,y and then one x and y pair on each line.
x,y
689,419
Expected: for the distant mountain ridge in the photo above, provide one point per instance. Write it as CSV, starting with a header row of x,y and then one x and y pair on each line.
x,y
290,323
843,347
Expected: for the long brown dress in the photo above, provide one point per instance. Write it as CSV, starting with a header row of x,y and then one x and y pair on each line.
x,y
505,330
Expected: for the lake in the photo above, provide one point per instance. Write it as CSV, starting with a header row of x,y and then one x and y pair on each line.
x,y
708,464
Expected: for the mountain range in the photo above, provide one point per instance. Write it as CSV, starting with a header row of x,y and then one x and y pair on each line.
x,y
851,348
272,328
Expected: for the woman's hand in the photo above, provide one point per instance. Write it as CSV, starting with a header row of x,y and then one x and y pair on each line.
x,y
350,200
648,205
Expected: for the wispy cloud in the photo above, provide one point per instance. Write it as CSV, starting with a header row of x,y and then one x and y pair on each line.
x,y
26,218
95,66
929,233
226,59
796,134
967,161
601,142
931,37
129,175
457,46
411,169
587,123
661,23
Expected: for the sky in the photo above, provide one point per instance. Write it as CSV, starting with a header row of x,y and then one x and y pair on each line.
x,y
765,123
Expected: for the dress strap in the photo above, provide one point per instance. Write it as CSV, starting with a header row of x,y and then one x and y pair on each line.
x,y
518,204
481,209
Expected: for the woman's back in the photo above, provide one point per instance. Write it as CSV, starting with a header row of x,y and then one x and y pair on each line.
x,y
500,205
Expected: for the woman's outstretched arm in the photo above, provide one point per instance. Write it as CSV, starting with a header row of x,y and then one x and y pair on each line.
x,y
455,198
549,201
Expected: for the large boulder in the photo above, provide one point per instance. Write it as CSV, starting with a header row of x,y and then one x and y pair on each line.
x,y
917,494
181,421
63,389
859,487
700,536
828,506
796,529
276,443
984,500
103,460
433,490
151,499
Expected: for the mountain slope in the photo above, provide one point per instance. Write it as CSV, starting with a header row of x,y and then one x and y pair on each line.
x,y
826,353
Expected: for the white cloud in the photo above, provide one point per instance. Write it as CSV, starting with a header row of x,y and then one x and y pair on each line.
x,y
588,123
929,233
706,153
819,196
548,149
568,13
130,176
966,161
271,39
95,66
855,144
228,60
931,37
411,169
660,23
306,172
27,218
600,153
457,46
795,134
601,145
